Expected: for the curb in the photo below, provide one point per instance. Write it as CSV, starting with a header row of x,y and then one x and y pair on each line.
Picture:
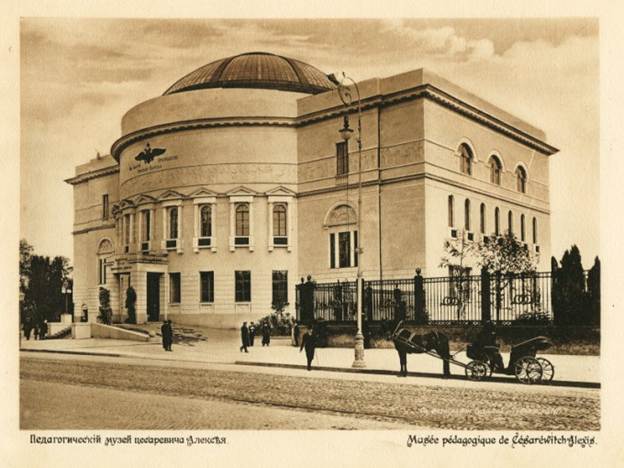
x,y
556,383
62,351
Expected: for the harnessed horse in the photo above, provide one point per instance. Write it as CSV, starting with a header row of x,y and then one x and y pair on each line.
x,y
431,341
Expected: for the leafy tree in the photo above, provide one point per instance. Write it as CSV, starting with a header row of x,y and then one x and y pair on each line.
x,y
593,292
569,292
457,253
41,283
505,255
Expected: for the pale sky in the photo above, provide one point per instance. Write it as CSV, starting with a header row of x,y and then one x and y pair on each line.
x,y
79,76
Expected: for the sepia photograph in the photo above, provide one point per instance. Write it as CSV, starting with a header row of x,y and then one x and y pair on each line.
x,y
289,237
309,224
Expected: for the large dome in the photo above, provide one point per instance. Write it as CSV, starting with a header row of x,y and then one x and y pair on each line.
x,y
255,70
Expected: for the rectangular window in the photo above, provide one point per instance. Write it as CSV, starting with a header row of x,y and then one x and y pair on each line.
x,y
280,287
342,158
243,286
355,248
206,280
332,250
146,225
105,208
126,230
280,226
102,271
173,222
174,288
205,221
344,249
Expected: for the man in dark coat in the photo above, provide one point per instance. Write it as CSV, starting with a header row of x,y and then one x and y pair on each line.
x,y
308,342
28,326
486,343
167,335
244,337
252,333
266,334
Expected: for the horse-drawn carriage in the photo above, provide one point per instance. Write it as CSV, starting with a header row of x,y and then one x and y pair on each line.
x,y
486,360
523,362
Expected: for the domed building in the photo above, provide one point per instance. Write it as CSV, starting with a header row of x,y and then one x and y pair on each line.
x,y
224,191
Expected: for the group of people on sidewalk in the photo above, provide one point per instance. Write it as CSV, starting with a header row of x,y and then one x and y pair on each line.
x,y
40,328
248,334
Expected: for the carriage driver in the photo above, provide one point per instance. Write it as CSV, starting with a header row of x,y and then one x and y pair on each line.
x,y
486,341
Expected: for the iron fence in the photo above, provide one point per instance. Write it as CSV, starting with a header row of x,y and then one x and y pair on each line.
x,y
504,299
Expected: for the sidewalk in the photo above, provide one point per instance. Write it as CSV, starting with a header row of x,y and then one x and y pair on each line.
x,y
222,347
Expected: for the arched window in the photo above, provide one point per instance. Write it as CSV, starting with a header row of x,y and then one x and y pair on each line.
x,y
534,230
510,222
451,220
467,215
522,228
242,219
497,221
279,220
521,179
496,168
482,218
466,157
205,221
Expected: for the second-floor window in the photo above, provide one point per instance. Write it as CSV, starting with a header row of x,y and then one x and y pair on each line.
x,y
466,159
173,222
521,179
342,158
280,224
146,227
496,169
242,224
105,206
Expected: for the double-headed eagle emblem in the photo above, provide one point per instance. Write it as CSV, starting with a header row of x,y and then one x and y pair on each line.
x,y
149,153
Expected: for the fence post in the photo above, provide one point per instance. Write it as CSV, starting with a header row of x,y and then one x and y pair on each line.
x,y
419,299
486,299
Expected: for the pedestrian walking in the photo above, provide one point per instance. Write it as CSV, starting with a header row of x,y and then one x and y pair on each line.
x,y
167,335
252,333
308,341
266,333
37,332
244,337
27,328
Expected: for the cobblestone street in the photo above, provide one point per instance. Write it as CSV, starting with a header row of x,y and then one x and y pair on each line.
x,y
140,397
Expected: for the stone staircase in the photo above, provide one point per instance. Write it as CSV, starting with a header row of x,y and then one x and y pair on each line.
x,y
64,333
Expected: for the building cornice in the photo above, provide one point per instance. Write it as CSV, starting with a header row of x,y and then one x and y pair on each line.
x,y
94,228
427,91
150,132
80,178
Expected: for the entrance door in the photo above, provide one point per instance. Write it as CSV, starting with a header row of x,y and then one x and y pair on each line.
x,y
153,297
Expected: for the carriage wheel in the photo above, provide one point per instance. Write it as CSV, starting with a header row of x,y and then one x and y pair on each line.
x,y
477,370
528,370
548,370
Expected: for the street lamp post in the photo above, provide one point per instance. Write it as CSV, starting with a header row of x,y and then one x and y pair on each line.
x,y
345,132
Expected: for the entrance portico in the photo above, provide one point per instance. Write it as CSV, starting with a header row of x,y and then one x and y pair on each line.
x,y
146,274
